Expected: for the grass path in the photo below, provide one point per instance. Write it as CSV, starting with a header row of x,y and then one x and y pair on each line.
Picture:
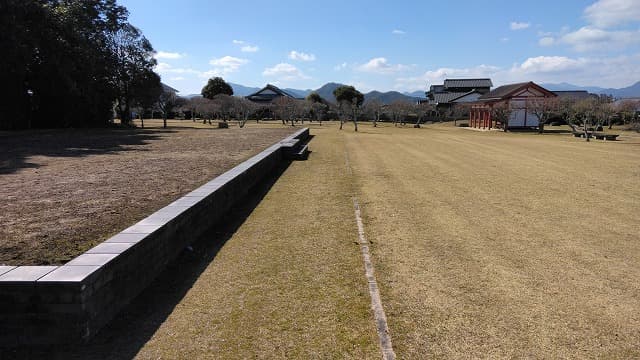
x,y
289,283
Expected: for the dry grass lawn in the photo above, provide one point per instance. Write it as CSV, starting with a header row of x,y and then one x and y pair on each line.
x,y
486,245
493,245
64,191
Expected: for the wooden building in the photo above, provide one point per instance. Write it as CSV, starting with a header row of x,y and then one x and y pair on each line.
x,y
455,91
514,100
268,94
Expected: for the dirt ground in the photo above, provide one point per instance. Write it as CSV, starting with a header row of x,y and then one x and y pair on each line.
x,y
64,191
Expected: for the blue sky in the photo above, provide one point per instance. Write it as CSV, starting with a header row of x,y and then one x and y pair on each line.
x,y
399,45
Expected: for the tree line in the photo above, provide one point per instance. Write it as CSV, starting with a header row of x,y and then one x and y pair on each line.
x,y
217,102
72,63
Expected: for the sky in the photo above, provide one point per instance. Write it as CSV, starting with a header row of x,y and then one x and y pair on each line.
x,y
391,45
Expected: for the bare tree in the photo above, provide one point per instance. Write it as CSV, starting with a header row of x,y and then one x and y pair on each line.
x,y
542,108
459,111
318,111
284,107
501,111
243,108
167,101
225,105
627,110
374,108
422,110
399,110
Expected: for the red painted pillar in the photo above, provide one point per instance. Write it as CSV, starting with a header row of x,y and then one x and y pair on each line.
x,y
472,114
490,121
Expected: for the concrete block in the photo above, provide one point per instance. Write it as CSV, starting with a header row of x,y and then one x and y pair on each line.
x,y
6,268
91,259
26,273
70,273
141,229
110,248
126,238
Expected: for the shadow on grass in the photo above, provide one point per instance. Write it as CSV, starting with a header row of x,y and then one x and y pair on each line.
x,y
129,331
17,147
556,131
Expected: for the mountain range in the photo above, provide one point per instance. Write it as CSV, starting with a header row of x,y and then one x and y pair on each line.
x,y
326,92
626,92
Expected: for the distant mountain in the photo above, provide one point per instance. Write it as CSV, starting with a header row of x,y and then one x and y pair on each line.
x,y
626,92
326,91
298,93
416,94
241,90
388,97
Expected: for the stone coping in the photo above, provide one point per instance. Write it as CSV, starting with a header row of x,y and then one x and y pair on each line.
x,y
118,257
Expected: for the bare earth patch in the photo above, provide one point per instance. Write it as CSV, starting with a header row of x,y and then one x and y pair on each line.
x,y
64,191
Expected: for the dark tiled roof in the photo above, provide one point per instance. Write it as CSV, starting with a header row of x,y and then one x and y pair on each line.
x,y
167,88
259,96
444,98
436,88
574,94
505,91
467,83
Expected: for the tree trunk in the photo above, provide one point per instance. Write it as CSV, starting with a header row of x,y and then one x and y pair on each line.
x,y
164,120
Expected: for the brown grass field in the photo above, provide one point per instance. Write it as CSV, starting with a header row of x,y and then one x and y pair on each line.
x,y
64,191
486,245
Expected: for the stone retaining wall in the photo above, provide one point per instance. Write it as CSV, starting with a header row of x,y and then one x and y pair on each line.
x,y
70,303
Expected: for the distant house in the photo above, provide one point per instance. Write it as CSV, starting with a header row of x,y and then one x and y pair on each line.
x,y
455,91
268,94
516,98
168,89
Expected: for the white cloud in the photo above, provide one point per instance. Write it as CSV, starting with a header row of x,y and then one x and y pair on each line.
x,y
340,66
300,56
398,32
380,65
610,13
227,64
597,71
238,42
168,55
589,38
504,39
543,64
284,72
249,48
519,25
177,78
437,76
613,72
165,69
546,41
